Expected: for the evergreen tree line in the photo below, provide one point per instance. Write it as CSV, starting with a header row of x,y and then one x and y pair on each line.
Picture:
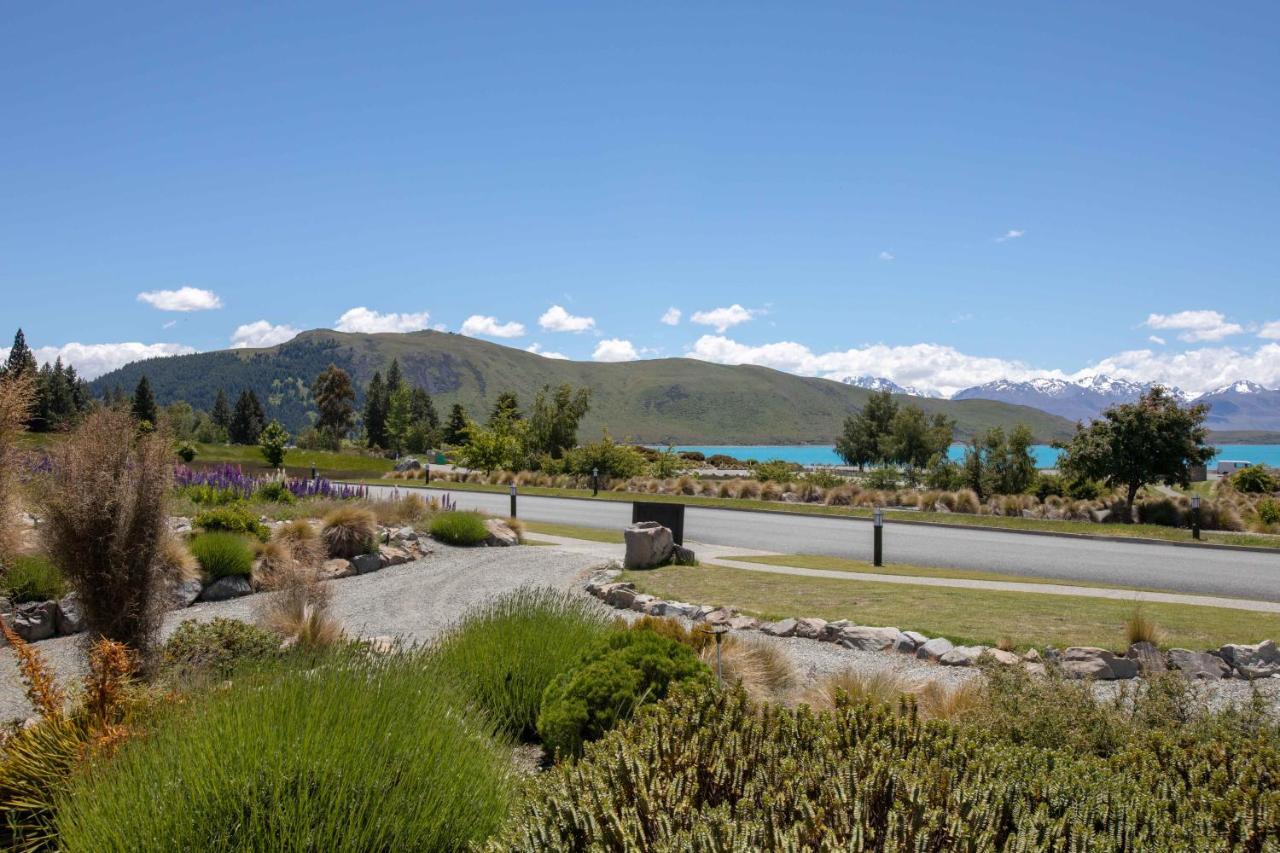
x,y
61,396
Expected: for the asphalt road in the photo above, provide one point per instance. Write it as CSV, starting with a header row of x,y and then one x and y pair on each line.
x,y
1207,571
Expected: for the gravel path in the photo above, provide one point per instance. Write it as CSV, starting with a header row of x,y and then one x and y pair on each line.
x,y
412,601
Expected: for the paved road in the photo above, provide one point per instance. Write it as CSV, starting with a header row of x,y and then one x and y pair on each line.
x,y
1208,571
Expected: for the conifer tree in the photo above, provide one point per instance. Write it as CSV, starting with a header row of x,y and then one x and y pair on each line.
x,y
144,403
455,432
220,414
21,360
375,412
248,419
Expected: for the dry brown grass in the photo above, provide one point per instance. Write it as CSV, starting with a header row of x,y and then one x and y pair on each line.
x,y
1139,629
933,698
763,670
105,507
409,509
16,395
936,700
274,561
348,531
302,540
176,560
517,526
674,629
299,611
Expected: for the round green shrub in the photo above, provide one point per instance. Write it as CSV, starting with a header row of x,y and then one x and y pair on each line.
x,y
459,528
503,655
31,578
217,647
614,677
1269,511
1255,479
274,492
223,554
352,755
232,519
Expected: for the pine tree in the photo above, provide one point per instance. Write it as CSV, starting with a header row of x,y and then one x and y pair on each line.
x,y
455,432
247,420
334,397
144,403
507,407
220,414
424,410
375,412
21,360
394,378
399,418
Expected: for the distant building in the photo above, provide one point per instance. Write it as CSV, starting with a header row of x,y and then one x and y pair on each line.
x,y
1230,466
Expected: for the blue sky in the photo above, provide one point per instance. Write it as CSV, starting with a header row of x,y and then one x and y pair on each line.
x,y
940,194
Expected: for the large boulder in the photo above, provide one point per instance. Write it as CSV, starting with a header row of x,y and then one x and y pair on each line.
x,y
810,628
1095,663
366,563
1260,660
69,615
232,586
876,639
35,621
962,656
933,650
500,534
184,593
1199,666
1147,657
335,568
781,628
649,545
408,463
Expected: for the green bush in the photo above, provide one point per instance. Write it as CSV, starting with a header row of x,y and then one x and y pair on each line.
x,y
351,755
1162,511
614,677
459,528
206,495
1256,479
820,478
1082,489
223,554
274,491
775,470
1269,511
503,655
709,770
612,460
232,518
1045,486
186,451
882,478
217,647
29,578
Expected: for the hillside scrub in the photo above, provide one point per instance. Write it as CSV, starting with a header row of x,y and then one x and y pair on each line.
x,y
17,394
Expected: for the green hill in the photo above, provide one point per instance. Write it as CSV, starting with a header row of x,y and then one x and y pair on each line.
x,y
678,400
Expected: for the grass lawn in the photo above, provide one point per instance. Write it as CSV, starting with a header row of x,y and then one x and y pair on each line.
x,y
961,615
591,534
299,462
1083,528
842,564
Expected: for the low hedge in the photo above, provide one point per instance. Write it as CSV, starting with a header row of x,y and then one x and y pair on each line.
x,y
459,528
223,554
217,647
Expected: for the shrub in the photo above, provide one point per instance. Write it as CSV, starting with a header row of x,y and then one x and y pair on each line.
x,y
503,654
232,518
821,478
1081,489
459,528
274,491
352,755
1255,479
223,555
348,531
774,470
881,478
1268,511
1162,511
218,647
1045,486
186,451
17,393
612,459
613,678
30,578
674,629
105,505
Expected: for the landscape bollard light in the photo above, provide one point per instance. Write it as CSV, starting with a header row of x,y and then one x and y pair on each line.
x,y
313,473
426,473
1195,516
513,500
878,551
595,482
718,631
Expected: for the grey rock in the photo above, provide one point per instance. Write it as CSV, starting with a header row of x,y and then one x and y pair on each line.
x,y
934,649
701,612
69,615
641,601
389,555
744,623
811,628
875,639
1261,660
408,464
232,586
5,605
674,609
366,563
184,593
962,656
719,616
34,621
1147,657
500,534
916,637
1003,658
831,631
405,534
622,596
1099,664
649,545
781,628
683,556
1199,666
1100,516
1035,668
335,568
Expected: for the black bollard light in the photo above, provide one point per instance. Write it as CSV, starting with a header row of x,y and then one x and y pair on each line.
x,y
878,550
1195,516
513,500
313,473
595,482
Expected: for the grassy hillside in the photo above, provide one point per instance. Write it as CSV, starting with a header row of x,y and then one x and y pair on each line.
x,y
679,400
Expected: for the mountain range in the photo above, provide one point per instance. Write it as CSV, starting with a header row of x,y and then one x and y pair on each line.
x,y
677,400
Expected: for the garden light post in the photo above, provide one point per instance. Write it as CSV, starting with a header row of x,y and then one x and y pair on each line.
x,y
595,482
313,474
426,473
878,549
513,500
1195,516
718,631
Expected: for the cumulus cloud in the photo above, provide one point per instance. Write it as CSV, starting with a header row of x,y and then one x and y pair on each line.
x,y
1194,326
93,360
182,299
478,324
886,256
722,319
615,349
1194,371
367,321
556,319
537,349
1271,331
1011,234
672,317
261,334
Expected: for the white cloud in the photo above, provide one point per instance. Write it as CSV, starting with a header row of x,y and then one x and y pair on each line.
x,y
672,317
1270,331
1011,234
556,319
1156,339
1195,326
615,349
261,334
478,324
1194,371
93,360
182,299
366,320
537,349
725,318
887,256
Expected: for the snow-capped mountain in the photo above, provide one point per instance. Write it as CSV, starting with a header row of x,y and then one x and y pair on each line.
x,y
1081,399
1242,405
880,383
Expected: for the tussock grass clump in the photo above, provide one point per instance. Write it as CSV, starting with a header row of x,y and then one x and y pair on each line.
x,y
223,555
517,526
177,563
298,611
503,655
349,755
409,509
673,629
302,540
1139,629
762,669
348,531
32,578
272,561
459,528
880,687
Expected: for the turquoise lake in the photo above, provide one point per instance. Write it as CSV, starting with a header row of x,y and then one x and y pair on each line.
x,y
1046,456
